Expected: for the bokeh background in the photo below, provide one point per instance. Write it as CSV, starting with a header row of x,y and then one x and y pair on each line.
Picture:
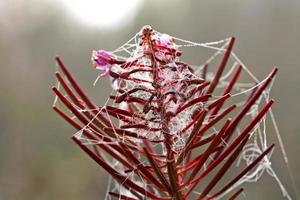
x,y
38,161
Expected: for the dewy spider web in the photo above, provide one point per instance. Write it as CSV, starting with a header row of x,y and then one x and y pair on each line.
x,y
255,146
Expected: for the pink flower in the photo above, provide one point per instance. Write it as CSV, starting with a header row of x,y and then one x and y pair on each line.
x,y
165,41
102,60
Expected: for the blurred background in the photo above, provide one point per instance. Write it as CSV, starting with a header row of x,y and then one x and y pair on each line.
x,y
38,160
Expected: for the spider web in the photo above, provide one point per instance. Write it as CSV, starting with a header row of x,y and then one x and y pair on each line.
x,y
212,52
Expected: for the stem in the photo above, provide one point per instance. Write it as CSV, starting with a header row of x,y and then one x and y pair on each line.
x,y
171,168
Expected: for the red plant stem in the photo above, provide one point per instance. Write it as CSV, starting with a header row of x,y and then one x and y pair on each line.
x,y
99,132
204,71
81,93
97,152
158,172
212,122
122,179
192,135
236,194
193,81
125,77
193,102
69,91
209,150
149,148
197,132
247,169
189,125
246,108
219,101
123,112
221,67
197,89
117,115
233,145
171,165
173,175
193,163
126,74
83,119
147,175
123,96
224,168
131,99
88,114
121,196
122,132
140,126
203,141
228,89
105,147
